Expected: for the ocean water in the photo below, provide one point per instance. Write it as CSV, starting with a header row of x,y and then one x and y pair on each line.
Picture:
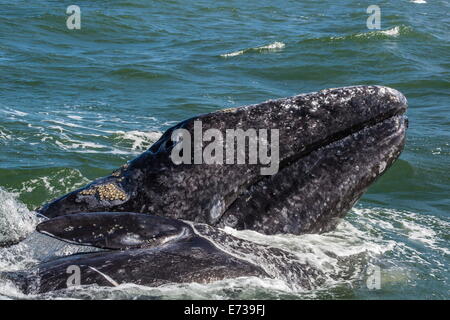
x,y
75,104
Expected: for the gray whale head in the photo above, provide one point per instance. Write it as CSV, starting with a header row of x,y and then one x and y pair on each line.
x,y
332,145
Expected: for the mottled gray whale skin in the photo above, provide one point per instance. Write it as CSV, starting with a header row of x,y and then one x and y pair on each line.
x,y
333,144
150,250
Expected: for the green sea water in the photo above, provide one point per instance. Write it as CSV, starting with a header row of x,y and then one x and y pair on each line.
x,y
76,104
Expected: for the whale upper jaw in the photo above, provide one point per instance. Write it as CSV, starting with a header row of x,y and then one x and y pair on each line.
x,y
333,144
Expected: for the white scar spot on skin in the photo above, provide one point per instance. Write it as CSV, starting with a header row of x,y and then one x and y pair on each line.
x,y
131,239
217,210
382,167
184,232
108,278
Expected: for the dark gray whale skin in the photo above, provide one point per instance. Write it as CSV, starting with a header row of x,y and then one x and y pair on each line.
x,y
150,250
333,144
193,260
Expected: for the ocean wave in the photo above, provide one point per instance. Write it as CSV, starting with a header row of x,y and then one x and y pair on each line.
x,y
140,140
5,135
275,46
81,145
67,144
394,32
13,112
388,33
74,137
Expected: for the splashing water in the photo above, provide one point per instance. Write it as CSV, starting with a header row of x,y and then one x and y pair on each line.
x,y
16,221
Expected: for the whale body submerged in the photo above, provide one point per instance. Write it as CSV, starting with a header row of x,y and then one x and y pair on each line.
x,y
156,222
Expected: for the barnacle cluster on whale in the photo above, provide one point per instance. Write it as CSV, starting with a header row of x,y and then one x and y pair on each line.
x,y
108,192
119,172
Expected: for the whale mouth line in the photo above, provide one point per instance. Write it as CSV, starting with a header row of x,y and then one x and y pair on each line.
x,y
342,135
284,163
338,136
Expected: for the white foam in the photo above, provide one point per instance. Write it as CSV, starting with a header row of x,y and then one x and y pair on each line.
x,y
13,112
393,32
5,136
9,291
232,54
76,144
420,233
418,1
275,46
238,288
325,251
141,140
88,147
418,227
75,117
63,178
